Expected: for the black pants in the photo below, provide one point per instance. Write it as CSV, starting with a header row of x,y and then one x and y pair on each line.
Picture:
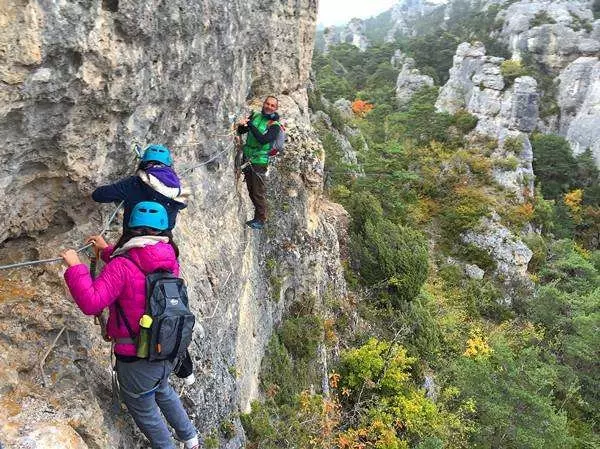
x,y
256,182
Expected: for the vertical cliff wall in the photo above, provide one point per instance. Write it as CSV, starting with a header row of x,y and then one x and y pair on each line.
x,y
79,83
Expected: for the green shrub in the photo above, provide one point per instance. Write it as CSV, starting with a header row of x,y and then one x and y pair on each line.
x,y
227,429
509,163
211,441
274,278
511,70
475,255
293,425
462,211
578,23
511,390
569,269
392,257
553,164
363,207
301,336
541,18
596,9
513,145
538,245
332,85
595,260
315,102
543,212
277,372
465,121
337,121
377,365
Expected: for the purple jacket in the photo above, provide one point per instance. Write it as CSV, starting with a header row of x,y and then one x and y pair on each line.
x,y
121,281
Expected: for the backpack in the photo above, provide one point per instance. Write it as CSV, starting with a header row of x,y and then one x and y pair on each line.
x,y
279,143
172,321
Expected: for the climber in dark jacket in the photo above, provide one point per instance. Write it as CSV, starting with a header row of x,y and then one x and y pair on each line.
x,y
155,180
263,129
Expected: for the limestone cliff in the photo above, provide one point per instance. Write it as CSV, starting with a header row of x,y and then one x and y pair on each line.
x,y
81,82
506,114
564,38
404,14
410,80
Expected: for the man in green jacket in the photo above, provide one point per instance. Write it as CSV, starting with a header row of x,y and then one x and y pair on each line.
x,y
262,129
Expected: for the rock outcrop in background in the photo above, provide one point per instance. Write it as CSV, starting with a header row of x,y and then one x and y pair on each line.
x,y
504,112
82,82
404,14
410,80
353,33
564,38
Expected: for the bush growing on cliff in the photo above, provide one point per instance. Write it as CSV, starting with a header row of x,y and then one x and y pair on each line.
x,y
566,307
553,164
462,211
388,256
511,70
392,412
541,18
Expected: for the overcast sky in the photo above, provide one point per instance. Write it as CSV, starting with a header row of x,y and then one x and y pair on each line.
x,y
337,12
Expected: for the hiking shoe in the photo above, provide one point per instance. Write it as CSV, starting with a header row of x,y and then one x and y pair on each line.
x,y
192,443
250,222
189,380
256,224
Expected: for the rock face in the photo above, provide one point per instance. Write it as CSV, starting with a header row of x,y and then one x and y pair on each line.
x,y
404,13
410,80
344,107
82,81
508,114
553,32
349,156
579,102
477,85
509,252
354,34
563,37
331,36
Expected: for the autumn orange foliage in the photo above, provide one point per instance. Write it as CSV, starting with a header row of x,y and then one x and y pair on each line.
x,y
361,107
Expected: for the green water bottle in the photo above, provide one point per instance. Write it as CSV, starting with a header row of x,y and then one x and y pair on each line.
x,y
143,346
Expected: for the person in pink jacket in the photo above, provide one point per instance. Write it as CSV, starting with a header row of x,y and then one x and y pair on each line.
x,y
143,385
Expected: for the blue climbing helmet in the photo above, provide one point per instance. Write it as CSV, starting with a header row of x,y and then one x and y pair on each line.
x,y
157,153
149,214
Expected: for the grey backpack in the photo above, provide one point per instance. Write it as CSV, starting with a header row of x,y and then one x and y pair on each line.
x,y
279,142
172,321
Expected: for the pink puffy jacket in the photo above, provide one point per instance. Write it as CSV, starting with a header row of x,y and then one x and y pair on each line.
x,y
121,281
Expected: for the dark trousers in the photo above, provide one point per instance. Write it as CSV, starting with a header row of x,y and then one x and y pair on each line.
x,y
146,391
257,189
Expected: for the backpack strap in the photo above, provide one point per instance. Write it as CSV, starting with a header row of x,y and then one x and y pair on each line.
x,y
121,313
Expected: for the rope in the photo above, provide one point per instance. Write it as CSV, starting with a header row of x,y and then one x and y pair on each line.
x,y
58,259
193,167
